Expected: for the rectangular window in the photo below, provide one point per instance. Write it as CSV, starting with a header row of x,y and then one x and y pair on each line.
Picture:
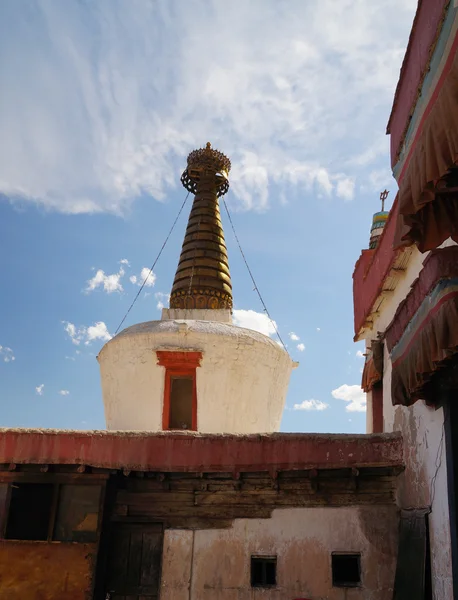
x,y
346,570
49,511
30,511
181,393
263,571
180,388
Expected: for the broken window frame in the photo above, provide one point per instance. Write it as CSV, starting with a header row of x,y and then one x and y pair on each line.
x,y
341,583
264,560
9,480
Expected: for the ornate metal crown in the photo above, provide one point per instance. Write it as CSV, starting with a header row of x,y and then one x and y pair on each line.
x,y
209,161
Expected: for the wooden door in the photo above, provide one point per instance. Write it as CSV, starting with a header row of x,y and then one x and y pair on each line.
x,y
134,562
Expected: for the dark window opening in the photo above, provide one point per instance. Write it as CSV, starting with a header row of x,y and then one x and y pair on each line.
x,y
29,511
181,393
346,570
49,511
263,571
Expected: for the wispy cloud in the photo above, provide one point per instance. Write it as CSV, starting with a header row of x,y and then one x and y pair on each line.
x,y
40,389
301,347
104,100
162,299
311,405
293,336
353,395
86,335
6,354
64,392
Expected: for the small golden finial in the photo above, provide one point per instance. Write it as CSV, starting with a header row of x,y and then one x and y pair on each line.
x,y
209,146
383,197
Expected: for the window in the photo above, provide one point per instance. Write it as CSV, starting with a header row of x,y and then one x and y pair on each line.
x,y
181,393
30,511
50,511
346,570
180,390
263,571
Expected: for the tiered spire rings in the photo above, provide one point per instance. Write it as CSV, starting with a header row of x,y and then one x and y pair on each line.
x,y
202,279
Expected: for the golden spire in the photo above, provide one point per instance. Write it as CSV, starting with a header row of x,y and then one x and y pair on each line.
x,y
202,279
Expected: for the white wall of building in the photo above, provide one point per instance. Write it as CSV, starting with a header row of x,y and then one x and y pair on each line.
x,y
209,564
241,383
424,482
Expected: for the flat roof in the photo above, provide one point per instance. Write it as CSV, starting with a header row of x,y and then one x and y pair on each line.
x,y
199,452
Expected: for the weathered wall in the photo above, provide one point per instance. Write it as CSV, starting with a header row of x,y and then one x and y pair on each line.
x,y
424,481
241,383
46,571
424,447
216,563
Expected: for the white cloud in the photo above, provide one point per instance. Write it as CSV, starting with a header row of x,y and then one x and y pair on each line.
x,y
6,354
318,329
72,332
109,283
94,130
359,354
346,188
125,262
311,405
39,389
293,336
301,347
162,299
353,394
98,331
250,319
147,277
64,392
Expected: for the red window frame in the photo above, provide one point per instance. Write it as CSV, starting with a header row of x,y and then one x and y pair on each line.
x,y
178,364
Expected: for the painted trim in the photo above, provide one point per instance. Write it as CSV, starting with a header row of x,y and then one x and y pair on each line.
x,y
178,364
400,168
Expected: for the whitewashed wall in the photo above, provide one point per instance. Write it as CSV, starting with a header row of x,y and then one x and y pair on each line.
x,y
241,383
424,447
210,564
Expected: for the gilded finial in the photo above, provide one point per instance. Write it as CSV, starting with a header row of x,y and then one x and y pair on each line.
x,y
383,197
207,161
203,279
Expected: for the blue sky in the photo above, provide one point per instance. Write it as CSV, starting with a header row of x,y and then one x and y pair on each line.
x,y
102,101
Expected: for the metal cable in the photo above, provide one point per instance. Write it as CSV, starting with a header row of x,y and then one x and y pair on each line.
x,y
154,263
274,325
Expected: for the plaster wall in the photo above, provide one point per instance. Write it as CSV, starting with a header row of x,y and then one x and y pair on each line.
x,y
241,383
44,571
424,481
208,564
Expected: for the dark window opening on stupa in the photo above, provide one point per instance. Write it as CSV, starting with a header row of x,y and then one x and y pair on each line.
x,y
181,393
